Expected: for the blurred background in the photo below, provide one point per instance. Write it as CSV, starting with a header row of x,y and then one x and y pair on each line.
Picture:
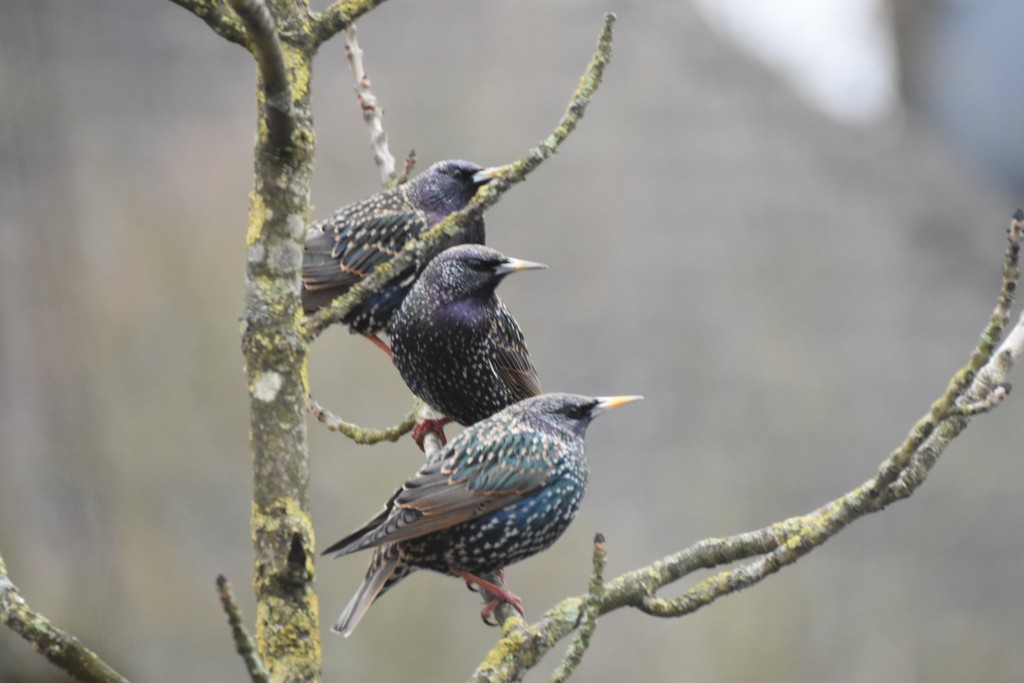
x,y
782,222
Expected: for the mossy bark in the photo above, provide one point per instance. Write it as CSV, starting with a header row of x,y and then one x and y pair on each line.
x,y
287,616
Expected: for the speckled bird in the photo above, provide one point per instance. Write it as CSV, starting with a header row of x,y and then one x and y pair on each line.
x,y
455,344
501,491
346,246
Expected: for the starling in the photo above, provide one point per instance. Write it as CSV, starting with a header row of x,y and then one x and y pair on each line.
x,y
346,246
454,342
502,490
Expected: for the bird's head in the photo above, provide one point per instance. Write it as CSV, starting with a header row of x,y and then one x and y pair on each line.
x,y
448,186
471,271
571,413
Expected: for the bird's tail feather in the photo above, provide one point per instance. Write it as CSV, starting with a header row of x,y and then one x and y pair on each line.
x,y
386,569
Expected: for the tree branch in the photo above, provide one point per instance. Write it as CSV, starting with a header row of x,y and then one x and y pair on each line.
x,y
60,647
243,641
266,48
362,435
981,382
372,114
287,626
212,12
429,243
339,15
588,617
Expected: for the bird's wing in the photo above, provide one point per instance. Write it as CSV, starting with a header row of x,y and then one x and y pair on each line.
x,y
510,359
344,546
474,482
344,248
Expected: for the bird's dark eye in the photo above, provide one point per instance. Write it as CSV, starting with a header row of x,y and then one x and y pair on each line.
x,y
575,411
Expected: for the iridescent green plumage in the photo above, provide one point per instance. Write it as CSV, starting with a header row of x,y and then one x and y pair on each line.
x,y
501,491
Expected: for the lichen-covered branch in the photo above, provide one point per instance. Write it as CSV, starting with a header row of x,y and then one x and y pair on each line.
x,y
429,243
337,17
60,647
992,375
979,386
212,12
588,617
372,114
362,435
275,94
243,641
287,619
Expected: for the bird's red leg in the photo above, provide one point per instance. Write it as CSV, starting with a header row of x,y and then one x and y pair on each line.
x,y
379,343
501,593
424,427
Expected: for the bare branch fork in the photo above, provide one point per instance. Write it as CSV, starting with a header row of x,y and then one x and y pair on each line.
x,y
212,12
337,17
266,48
978,386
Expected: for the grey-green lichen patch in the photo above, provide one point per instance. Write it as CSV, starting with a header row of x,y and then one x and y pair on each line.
x,y
284,258
256,253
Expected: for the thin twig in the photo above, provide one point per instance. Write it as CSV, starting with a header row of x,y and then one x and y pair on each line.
x,y
430,242
1011,274
60,647
212,12
337,17
783,543
588,617
372,113
993,366
407,167
995,397
266,48
362,435
244,643
947,404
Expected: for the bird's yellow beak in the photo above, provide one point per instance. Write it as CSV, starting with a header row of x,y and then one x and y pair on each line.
x,y
513,265
609,402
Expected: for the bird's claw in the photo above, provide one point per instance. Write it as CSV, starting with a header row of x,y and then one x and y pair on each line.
x,y
498,590
487,613
424,427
